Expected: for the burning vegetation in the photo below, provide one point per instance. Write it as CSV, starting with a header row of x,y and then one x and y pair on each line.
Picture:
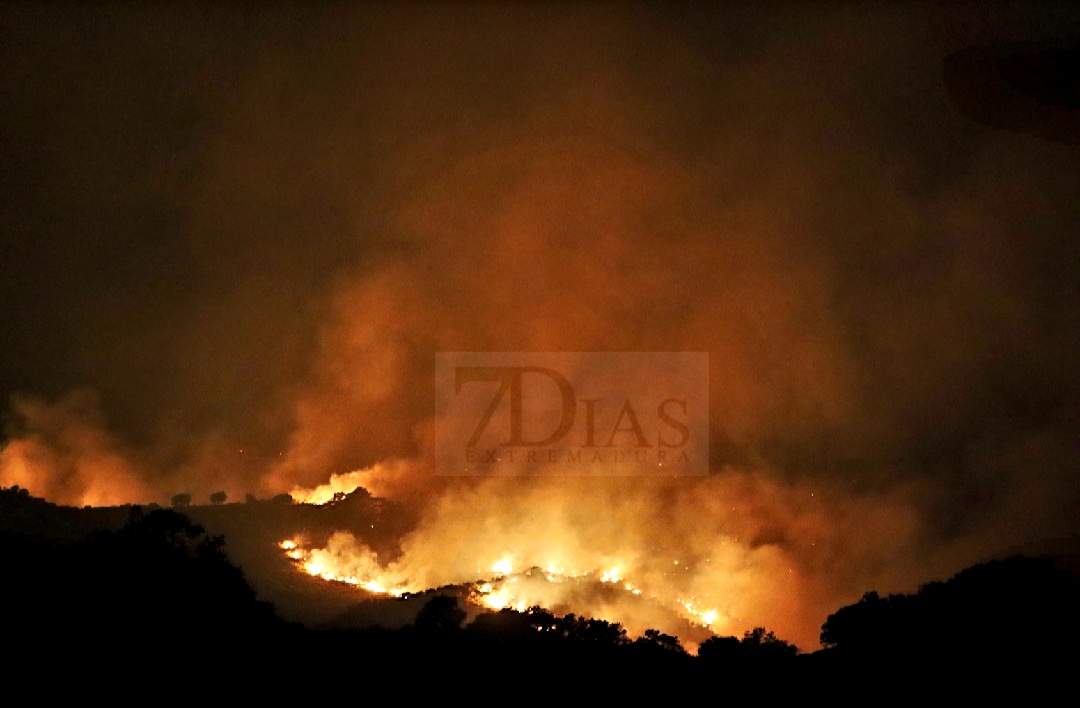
x,y
540,546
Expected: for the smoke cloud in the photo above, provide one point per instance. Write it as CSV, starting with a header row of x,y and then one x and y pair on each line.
x,y
249,231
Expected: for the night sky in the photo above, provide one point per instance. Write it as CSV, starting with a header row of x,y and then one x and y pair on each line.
x,y
232,237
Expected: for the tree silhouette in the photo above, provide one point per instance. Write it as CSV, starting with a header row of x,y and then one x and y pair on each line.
x,y
1016,606
766,645
720,649
218,498
655,645
757,646
440,614
664,641
591,630
181,500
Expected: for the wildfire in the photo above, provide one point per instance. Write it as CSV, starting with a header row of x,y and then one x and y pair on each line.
x,y
339,485
328,564
292,550
601,550
321,495
499,599
345,560
610,576
693,608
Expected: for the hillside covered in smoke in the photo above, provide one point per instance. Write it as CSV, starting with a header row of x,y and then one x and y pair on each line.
x,y
234,238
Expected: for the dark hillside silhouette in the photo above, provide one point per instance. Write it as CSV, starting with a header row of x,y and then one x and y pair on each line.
x,y
158,588
1015,610
153,591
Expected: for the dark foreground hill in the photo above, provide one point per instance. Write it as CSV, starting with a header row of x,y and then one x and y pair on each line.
x,y
140,593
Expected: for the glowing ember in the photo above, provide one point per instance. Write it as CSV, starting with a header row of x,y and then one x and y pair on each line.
x,y
292,550
705,618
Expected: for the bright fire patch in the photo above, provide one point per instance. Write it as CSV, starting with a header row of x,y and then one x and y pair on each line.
x,y
346,560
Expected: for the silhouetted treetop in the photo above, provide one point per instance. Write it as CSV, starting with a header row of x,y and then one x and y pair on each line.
x,y
441,614
756,645
1014,605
